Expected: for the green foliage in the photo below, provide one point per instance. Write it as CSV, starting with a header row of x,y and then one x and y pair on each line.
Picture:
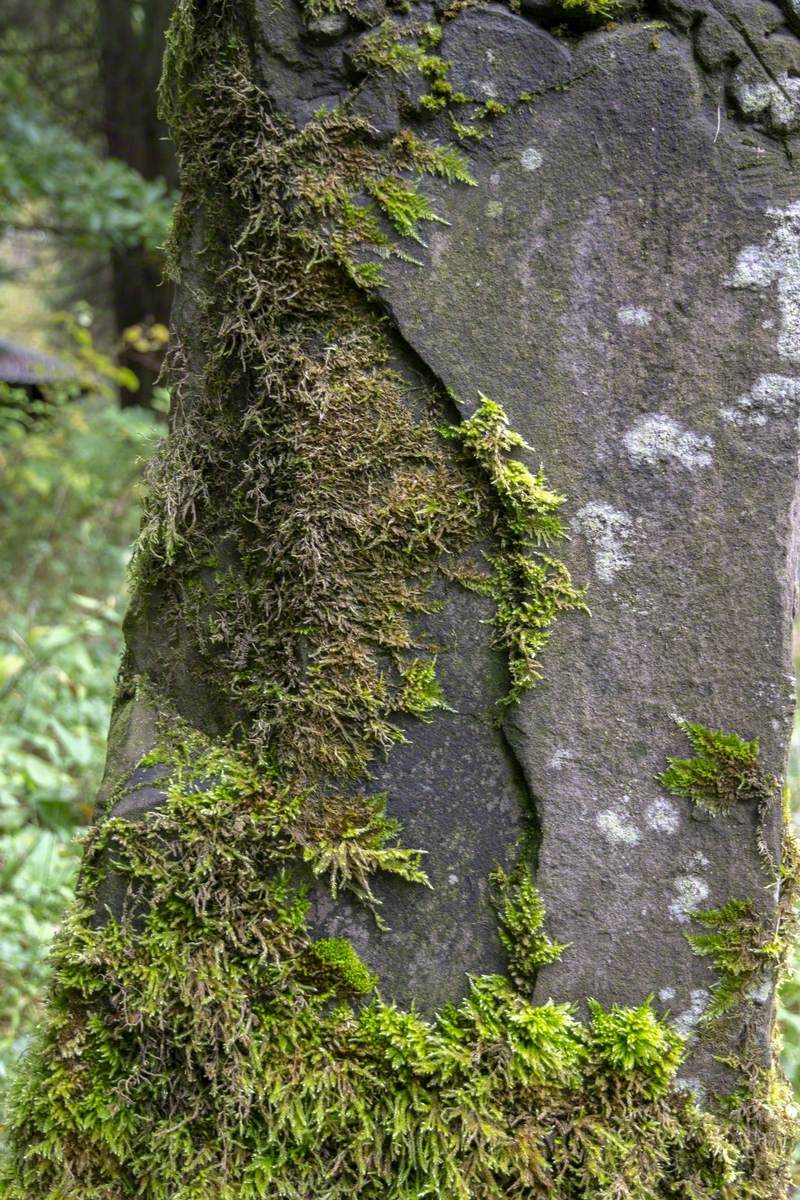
x,y
37,868
66,524
724,770
70,469
520,915
48,176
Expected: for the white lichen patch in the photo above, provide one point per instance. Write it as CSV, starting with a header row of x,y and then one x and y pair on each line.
x,y
616,826
698,1003
607,530
634,316
663,816
777,262
762,994
666,994
560,757
690,892
656,438
494,209
776,100
531,159
770,396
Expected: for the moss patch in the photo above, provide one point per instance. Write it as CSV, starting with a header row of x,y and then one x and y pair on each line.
x,y
724,770
749,948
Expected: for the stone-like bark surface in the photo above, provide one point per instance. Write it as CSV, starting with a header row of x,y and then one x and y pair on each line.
x,y
624,279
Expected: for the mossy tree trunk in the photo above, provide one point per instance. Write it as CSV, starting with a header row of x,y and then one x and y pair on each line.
x,y
397,886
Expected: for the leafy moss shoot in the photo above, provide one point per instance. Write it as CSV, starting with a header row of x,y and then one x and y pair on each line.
x,y
201,1043
749,946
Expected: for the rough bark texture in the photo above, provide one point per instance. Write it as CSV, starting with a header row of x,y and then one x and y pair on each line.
x,y
350,583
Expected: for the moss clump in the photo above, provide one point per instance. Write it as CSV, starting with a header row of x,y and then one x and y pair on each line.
x,y
635,1042
422,693
520,915
338,956
346,839
748,947
724,770
530,587
742,947
605,10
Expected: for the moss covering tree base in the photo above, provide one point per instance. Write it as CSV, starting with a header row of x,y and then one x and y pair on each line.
x,y
206,1046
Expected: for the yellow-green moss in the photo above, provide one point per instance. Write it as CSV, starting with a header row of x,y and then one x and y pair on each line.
x,y
725,769
520,915
338,956
748,947
744,949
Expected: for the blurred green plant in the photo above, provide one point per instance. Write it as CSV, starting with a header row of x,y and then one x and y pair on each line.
x,y
70,465
50,180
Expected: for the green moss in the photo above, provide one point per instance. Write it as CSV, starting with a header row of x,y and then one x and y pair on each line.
x,y
403,206
635,1042
203,1044
604,9
422,693
338,956
520,915
348,838
530,587
744,948
493,108
724,770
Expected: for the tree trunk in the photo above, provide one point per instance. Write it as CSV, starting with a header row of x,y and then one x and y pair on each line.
x,y
411,876
130,66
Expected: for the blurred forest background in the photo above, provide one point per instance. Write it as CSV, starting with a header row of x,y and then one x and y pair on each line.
x,y
87,178
87,181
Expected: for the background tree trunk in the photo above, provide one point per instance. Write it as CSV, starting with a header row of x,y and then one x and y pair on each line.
x,y
132,48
